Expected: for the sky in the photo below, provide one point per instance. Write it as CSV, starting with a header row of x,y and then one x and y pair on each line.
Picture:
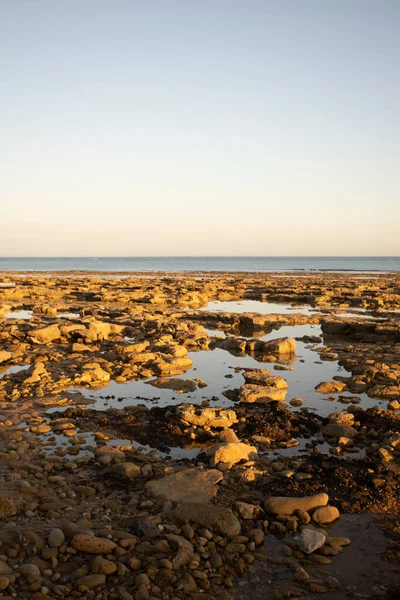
x,y
204,128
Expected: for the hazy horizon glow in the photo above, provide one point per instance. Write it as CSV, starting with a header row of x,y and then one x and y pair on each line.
x,y
173,128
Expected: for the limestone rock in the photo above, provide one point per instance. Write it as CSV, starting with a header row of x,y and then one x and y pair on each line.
x,y
247,511
174,383
29,569
98,330
236,345
218,517
227,436
4,582
126,469
282,345
250,393
92,545
185,550
4,356
206,416
342,418
325,515
91,581
103,566
109,454
173,366
263,377
5,569
330,387
45,334
337,431
35,373
8,507
93,373
310,540
231,453
189,485
76,347
282,505
56,538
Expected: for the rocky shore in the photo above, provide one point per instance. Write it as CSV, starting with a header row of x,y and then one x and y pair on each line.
x,y
156,446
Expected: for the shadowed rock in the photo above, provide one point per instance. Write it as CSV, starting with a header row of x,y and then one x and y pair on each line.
x,y
190,485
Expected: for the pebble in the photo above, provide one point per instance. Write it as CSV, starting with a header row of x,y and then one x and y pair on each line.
x,y
301,575
29,569
296,402
216,561
257,536
102,566
332,583
5,569
91,581
4,582
56,538
92,545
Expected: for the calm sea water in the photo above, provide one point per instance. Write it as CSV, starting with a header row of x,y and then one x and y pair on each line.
x,y
183,263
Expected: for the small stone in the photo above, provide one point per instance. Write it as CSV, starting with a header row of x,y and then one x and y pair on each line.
x,y
5,569
325,515
216,561
4,582
329,387
103,566
228,436
296,402
231,453
56,538
320,560
7,507
385,455
91,581
126,469
165,564
301,575
134,564
247,511
394,405
257,536
303,516
29,569
310,540
92,545
332,583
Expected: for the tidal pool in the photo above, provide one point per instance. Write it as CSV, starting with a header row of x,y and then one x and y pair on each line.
x,y
263,308
19,314
12,370
220,370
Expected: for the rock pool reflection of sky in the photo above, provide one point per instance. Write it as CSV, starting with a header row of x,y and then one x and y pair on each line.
x,y
213,366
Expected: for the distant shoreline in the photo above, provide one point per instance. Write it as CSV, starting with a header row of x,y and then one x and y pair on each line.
x,y
188,273
199,265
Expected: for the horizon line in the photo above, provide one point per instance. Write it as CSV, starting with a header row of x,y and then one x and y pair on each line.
x,y
212,256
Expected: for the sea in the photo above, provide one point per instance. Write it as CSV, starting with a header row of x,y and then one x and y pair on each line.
x,y
201,264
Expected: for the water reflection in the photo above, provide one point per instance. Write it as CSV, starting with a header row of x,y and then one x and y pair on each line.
x,y
221,371
263,308
12,370
19,314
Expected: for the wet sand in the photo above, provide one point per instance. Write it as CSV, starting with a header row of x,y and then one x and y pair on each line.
x,y
146,421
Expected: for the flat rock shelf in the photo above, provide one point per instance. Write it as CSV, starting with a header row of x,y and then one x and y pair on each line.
x,y
193,437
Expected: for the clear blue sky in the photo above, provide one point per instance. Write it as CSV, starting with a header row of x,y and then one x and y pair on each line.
x,y
199,127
